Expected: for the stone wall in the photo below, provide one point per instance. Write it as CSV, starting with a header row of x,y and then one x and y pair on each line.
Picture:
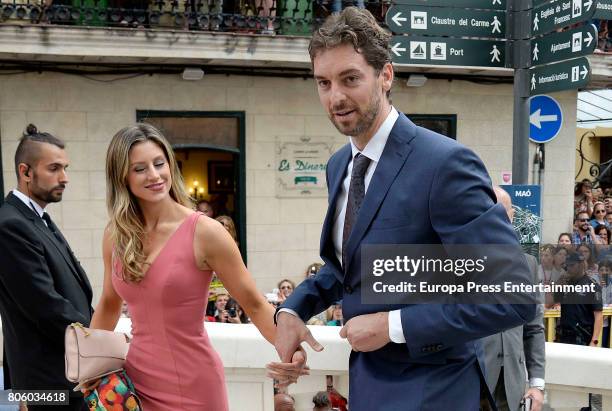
x,y
282,233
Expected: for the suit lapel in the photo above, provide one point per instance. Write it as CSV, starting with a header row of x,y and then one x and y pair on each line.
x,y
336,176
47,234
394,156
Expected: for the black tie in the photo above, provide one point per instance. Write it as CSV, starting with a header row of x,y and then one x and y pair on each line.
x,y
355,198
51,225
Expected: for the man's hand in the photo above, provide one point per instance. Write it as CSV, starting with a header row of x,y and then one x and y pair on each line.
x,y
290,333
367,332
537,398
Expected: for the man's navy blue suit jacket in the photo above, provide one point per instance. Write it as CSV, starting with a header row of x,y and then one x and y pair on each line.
x,y
426,189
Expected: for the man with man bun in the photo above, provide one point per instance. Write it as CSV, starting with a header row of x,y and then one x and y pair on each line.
x,y
43,287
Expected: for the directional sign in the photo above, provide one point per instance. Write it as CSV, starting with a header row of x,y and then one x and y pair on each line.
x,y
536,3
545,119
560,13
564,45
603,10
448,51
473,4
445,21
566,75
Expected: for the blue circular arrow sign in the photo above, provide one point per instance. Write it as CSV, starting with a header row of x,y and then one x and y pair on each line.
x,y
545,118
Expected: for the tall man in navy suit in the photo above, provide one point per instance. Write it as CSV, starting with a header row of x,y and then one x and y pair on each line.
x,y
394,184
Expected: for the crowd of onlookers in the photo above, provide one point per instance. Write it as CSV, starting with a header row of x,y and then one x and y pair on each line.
x,y
604,43
582,255
592,218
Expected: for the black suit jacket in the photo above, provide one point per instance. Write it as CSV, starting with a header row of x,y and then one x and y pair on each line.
x,y
43,289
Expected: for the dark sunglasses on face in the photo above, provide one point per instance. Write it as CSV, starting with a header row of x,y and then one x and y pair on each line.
x,y
600,211
286,287
583,220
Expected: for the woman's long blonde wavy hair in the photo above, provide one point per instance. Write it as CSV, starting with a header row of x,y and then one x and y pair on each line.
x,y
126,226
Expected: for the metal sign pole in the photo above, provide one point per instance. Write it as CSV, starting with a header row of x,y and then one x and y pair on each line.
x,y
520,126
520,140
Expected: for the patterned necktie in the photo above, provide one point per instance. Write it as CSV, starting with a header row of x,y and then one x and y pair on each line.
x,y
355,198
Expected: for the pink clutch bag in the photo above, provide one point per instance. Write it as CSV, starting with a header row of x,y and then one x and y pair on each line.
x,y
91,353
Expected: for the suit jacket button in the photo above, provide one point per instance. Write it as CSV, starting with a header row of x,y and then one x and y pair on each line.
x,y
348,289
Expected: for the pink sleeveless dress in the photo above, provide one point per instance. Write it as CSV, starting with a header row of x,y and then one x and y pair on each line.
x,y
170,360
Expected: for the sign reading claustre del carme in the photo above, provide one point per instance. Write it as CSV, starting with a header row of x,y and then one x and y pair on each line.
x,y
300,166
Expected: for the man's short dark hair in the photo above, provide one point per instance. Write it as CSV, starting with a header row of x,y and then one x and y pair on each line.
x,y
321,399
356,27
28,149
577,216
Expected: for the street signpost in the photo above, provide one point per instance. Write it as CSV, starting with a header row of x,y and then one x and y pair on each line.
x,y
544,63
565,45
473,4
560,13
570,74
536,3
448,51
603,10
545,118
445,21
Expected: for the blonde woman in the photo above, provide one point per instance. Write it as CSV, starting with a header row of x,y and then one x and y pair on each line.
x,y
158,256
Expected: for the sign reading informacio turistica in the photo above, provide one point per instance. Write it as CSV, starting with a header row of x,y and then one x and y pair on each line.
x,y
570,74
300,166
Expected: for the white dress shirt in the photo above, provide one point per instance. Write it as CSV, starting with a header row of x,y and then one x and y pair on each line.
x,y
30,203
373,150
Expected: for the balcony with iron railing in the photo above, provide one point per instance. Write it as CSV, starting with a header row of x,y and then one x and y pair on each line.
x,y
258,34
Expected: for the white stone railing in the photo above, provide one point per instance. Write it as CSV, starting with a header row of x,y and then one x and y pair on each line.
x,y
245,353
571,371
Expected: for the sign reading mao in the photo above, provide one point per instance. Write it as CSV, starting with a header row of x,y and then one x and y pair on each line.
x,y
570,74
446,21
525,196
565,45
448,51
473,4
545,118
560,13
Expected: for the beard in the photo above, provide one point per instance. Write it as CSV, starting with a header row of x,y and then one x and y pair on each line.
x,y
46,195
364,121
